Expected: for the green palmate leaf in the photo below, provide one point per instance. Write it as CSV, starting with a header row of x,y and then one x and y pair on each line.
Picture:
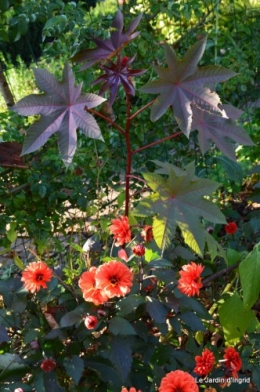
x,y
183,83
62,109
74,366
121,356
234,318
179,201
249,271
121,326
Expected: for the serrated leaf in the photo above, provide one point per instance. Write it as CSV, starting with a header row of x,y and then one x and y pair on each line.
x,y
62,111
183,83
193,321
110,46
106,372
120,355
156,310
50,383
121,326
218,129
249,271
179,201
129,304
234,318
74,366
71,318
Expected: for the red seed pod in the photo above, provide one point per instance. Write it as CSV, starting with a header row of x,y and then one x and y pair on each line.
x,y
231,228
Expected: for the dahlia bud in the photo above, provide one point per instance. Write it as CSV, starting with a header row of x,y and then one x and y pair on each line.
x,y
139,250
91,322
48,365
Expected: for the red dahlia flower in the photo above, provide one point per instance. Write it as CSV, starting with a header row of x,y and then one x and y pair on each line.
x,y
91,293
190,281
178,381
48,365
233,361
231,228
204,363
121,230
114,278
91,322
36,275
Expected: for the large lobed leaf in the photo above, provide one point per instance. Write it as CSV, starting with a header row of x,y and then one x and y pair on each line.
x,y
218,129
110,46
62,110
179,201
183,83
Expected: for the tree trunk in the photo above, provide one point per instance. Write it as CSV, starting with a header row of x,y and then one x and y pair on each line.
x,y
4,88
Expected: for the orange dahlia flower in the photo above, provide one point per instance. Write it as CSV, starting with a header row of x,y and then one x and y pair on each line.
x,y
130,390
121,230
36,275
204,363
233,361
178,381
190,281
91,293
115,278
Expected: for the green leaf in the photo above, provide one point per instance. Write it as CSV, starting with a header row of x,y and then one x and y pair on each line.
x,y
232,169
249,271
3,335
121,356
233,256
214,248
179,201
234,318
18,261
129,304
74,366
193,321
156,310
72,317
11,233
4,5
121,326
106,372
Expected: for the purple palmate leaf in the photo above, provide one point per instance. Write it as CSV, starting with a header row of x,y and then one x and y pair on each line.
x,y
116,74
62,110
220,130
183,83
110,46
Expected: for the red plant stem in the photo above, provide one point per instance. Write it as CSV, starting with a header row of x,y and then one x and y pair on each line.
x,y
140,110
157,142
136,177
106,119
129,155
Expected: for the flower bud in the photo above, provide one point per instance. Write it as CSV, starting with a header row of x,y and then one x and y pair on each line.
x,y
48,365
139,250
34,344
91,322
